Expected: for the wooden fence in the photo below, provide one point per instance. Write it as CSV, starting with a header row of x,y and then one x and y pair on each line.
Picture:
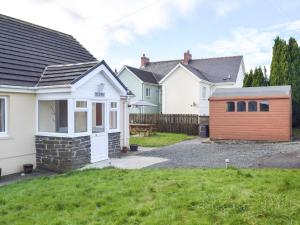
x,y
174,123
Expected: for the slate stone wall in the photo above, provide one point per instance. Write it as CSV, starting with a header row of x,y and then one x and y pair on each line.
x,y
62,153
114,144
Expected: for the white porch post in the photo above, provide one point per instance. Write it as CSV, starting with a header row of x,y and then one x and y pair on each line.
x,y
71,117
126,134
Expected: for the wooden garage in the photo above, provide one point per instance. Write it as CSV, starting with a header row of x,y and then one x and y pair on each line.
x,y
254,113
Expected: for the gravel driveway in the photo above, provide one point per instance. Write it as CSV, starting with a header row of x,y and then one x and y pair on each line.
x,y
194,153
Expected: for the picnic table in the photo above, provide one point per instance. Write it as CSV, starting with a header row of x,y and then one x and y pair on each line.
x,y
145,129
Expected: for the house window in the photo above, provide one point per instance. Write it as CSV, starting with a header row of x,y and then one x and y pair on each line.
x,y
98,115
252,106
204,92
148,92
230,107
53,116
264,106
113,115
81,104
241,106
3,115
80,117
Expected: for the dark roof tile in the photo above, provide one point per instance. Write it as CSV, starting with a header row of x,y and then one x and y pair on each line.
x,y
145,76
26,49
64,74
213,69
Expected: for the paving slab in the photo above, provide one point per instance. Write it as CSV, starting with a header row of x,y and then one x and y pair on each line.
x,y
128,162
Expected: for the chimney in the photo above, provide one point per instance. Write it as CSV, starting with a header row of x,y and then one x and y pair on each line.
x,y
144,61
187,56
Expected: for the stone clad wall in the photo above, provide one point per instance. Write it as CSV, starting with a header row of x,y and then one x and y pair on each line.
x,y
61,153
114,144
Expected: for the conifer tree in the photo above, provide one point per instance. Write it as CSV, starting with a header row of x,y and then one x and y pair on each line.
x,y
279,65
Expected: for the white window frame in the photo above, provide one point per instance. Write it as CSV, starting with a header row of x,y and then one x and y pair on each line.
x,y
81,109
5,132
116,109
70,132
104,111
148,94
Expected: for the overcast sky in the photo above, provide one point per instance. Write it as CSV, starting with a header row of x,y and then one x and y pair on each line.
x,y
120,31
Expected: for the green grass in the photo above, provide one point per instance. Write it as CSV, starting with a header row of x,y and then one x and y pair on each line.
x,y
158,196
159,139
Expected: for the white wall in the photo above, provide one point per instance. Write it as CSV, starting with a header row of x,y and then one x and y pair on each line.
x,y
19,147
203,102
134,84
180,93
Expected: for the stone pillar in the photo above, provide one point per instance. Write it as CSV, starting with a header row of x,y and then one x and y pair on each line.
x,y
62,153
114,147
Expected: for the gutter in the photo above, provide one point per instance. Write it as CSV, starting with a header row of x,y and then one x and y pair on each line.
x,y
22,89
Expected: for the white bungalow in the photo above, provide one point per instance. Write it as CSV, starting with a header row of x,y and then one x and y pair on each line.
x,y
59,108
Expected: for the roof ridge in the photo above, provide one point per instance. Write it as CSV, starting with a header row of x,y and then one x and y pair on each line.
x,y
72,64
218,57
37,83
34,25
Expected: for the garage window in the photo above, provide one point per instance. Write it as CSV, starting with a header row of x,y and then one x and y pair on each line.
x,y
241,106
230,107
264,106
252,106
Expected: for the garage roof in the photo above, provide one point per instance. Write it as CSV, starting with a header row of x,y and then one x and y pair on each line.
x,y
271,91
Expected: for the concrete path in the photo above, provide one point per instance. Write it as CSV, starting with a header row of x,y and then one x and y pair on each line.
x,y
128,162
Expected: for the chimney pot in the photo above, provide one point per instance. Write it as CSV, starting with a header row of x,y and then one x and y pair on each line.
x,y
144,60
187,56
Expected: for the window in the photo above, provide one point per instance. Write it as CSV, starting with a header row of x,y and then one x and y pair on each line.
x,y
230,107
3,115
252,106
241,106
204,92
113,115
53,116
264,106
80,117
81,104
148,92
98,124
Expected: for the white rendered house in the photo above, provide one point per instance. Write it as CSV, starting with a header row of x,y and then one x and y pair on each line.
x,y
183,86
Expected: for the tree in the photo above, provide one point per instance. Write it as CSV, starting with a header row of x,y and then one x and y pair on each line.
x,y
255,78
279,65
258,78
248,79
293,59
266,81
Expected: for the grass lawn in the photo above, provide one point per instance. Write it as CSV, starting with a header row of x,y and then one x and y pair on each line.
x,y
159,139
158,196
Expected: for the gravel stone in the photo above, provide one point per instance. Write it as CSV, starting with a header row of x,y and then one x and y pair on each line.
x,y
194,153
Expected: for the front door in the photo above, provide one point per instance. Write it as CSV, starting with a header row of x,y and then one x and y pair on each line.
x,y
99,142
